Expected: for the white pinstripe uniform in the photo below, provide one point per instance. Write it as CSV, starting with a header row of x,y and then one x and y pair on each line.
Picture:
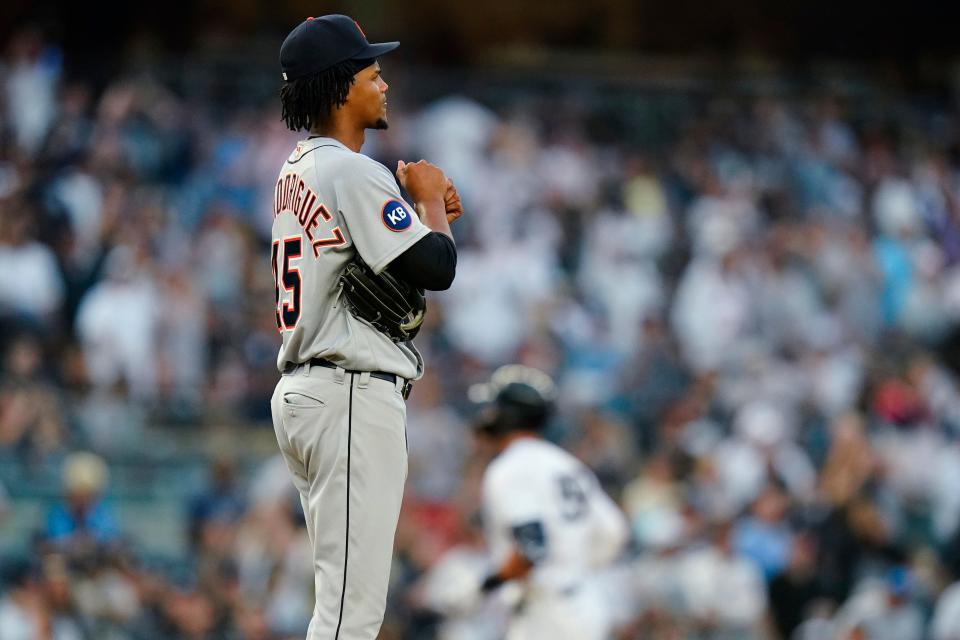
x,y
538,497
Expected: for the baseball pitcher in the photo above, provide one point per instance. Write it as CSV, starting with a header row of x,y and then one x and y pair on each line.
x,y
351,259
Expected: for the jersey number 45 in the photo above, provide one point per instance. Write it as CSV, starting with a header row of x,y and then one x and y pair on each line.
x,y
288,313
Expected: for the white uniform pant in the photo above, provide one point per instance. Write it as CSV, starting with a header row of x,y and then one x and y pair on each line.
x,y
577,614
343,437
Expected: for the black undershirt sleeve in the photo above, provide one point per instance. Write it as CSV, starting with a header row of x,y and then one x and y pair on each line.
x,y
430,263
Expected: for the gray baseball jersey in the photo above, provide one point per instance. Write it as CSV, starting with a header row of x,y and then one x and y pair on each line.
x,y
329,203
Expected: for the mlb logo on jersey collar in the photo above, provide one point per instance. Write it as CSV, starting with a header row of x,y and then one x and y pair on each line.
x,y
395,216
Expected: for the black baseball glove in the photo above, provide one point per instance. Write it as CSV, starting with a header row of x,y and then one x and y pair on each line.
x,y
393,307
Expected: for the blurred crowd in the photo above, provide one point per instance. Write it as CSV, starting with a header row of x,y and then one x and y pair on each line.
x,y
752,322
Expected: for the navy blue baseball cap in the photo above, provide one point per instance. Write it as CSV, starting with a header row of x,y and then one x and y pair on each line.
x,y
317,44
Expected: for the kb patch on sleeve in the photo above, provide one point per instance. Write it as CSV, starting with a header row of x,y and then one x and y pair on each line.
x,y
395,216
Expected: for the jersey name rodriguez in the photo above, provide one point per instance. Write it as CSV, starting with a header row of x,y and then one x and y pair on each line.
x,y
293,195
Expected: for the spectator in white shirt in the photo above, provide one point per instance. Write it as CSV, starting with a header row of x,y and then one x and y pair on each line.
x,y
722,591
117,324
30,282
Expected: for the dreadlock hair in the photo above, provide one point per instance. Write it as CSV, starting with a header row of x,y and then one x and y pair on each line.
x,y
311,99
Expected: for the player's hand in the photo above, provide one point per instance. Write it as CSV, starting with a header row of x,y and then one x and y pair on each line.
x,y
451,201
423,181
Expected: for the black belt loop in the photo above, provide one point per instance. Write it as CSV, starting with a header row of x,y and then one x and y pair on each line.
x,y
380,375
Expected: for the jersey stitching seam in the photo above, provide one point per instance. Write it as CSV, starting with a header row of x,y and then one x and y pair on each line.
x,y
346,546
304,154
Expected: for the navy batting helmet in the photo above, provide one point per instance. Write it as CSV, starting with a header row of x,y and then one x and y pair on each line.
x,y
517,398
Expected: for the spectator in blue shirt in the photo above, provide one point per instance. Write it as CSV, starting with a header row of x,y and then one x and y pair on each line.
x,y
765,536
82,518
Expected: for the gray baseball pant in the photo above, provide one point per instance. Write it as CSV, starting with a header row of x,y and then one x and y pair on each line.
x,y
343,437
